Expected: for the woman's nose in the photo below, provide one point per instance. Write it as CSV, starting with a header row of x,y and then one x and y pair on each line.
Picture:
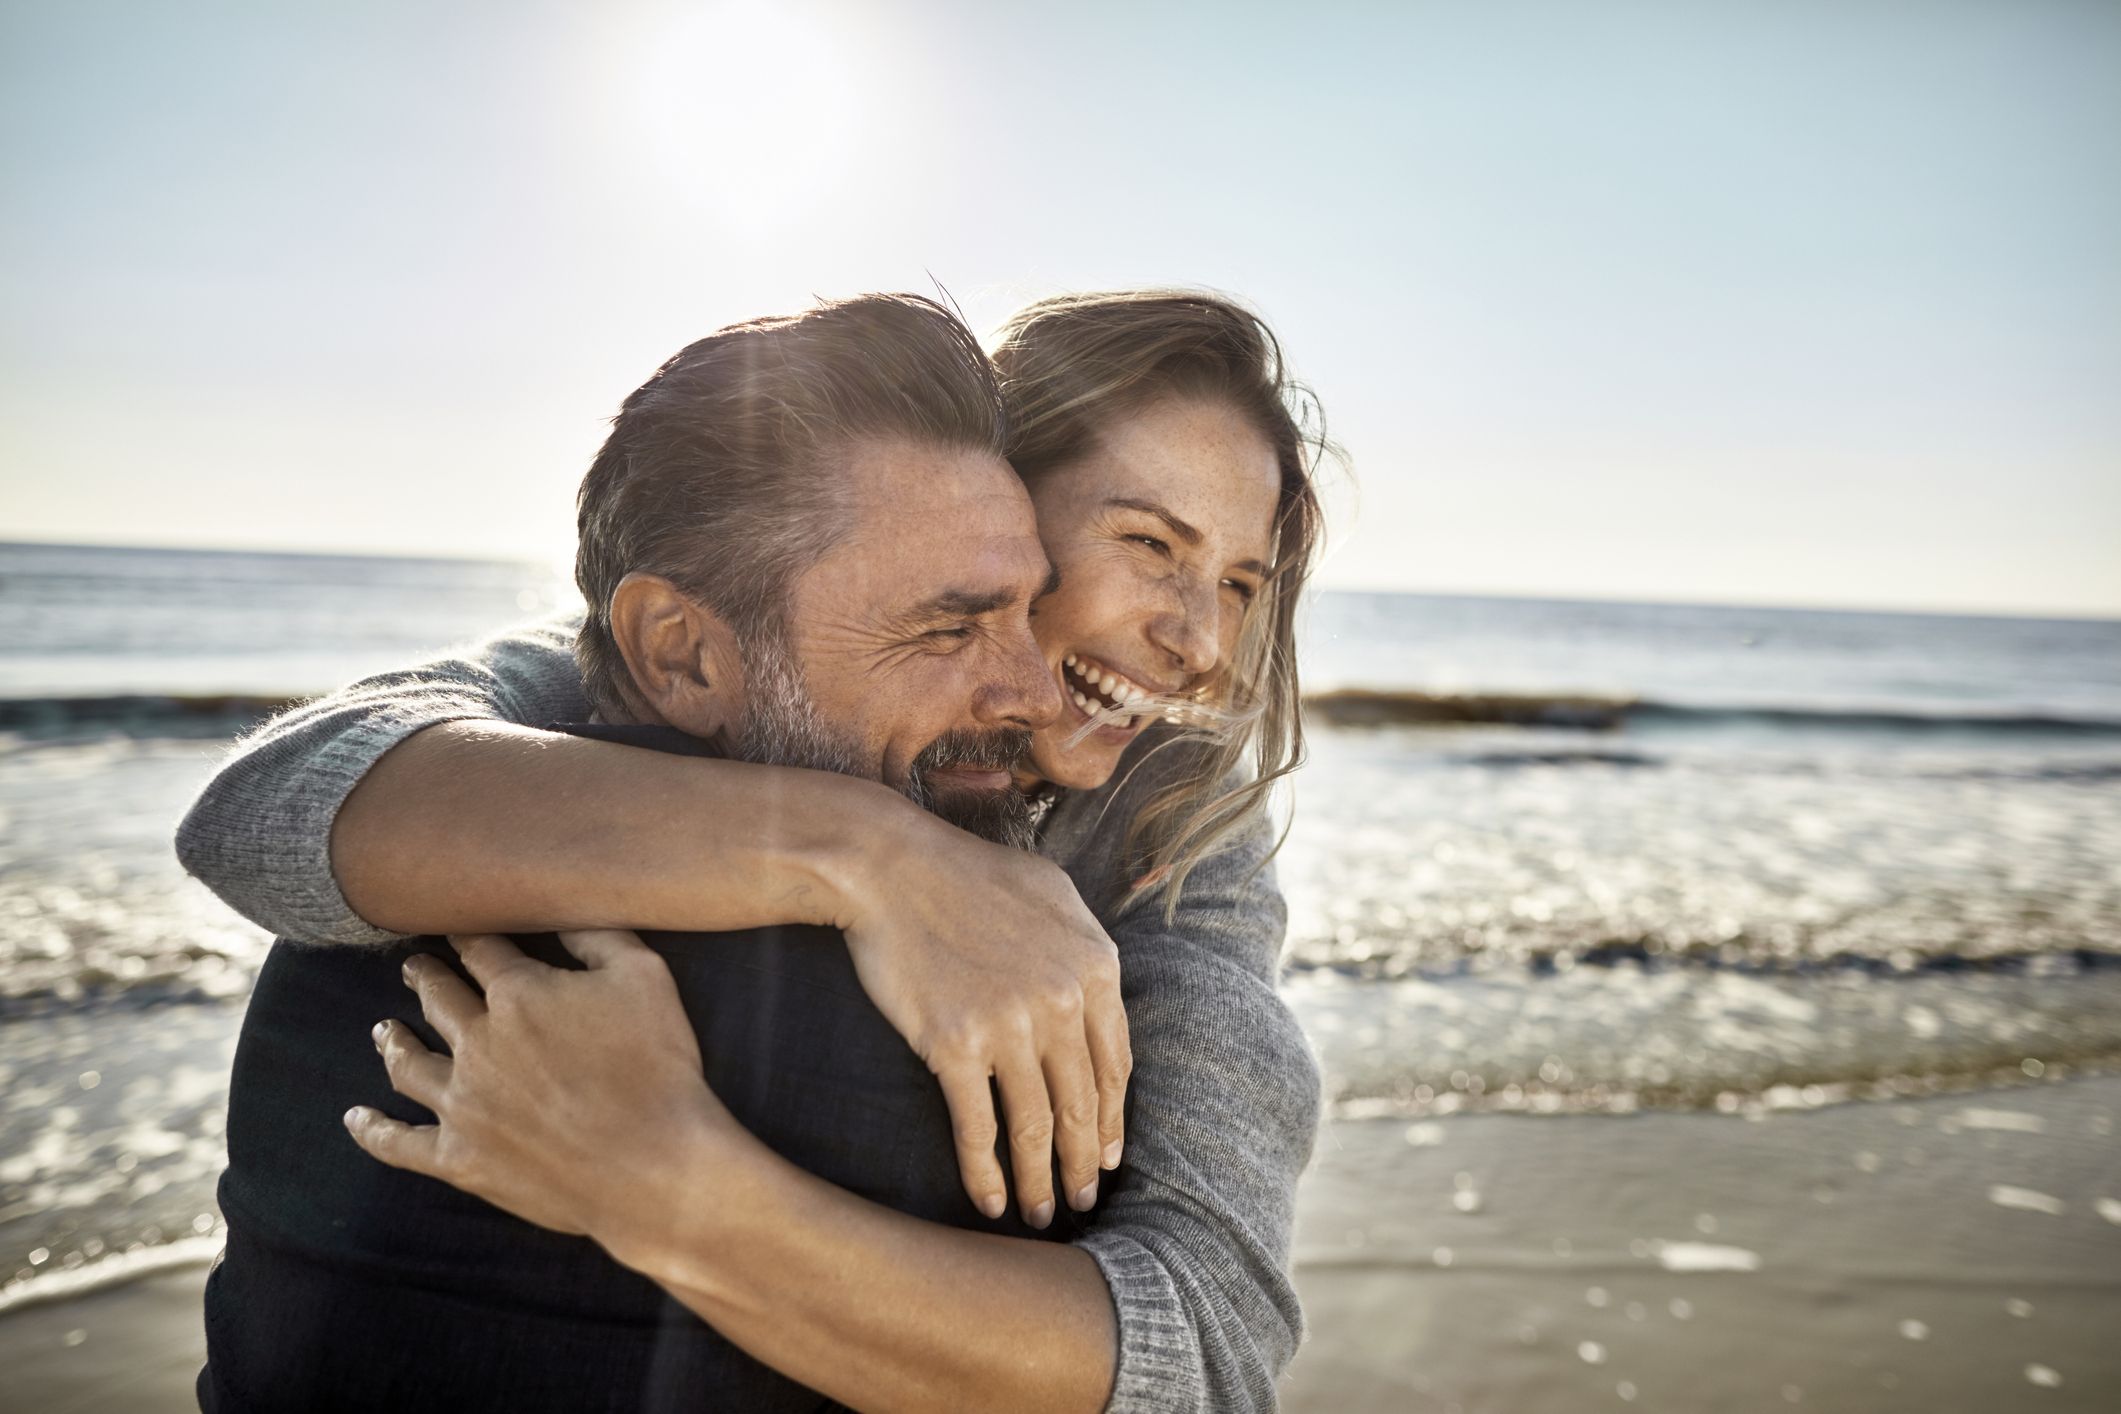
x,y
1190,630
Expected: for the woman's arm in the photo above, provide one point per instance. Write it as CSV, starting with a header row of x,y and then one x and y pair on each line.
x,y
489,826
430,796
1178,1298
1193,1239
427,800
879,1310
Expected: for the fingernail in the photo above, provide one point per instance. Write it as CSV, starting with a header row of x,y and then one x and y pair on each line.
x,y
993,1204
410,964
379,1031
1042,1214
351,1118
1112,1153
1086,1197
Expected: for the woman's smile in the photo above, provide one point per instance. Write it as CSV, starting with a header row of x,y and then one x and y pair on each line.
x,y
1093,686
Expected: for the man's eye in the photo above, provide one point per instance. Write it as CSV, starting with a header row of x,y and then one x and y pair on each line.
x,y
1153,543
948,633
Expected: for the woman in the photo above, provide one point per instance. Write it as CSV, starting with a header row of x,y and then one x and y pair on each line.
x,y
1172,485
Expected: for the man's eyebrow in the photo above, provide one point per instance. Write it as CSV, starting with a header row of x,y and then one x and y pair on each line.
x,y
1179,528
961,604
971,603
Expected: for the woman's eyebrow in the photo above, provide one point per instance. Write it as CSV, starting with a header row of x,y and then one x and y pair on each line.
x,y
1179,528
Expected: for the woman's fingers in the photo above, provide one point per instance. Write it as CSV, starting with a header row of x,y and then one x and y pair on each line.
x,y
415,1072
1028,1113
971,1102
447,1001
1112,1057
602,947
486,955
402,1146
1071,1087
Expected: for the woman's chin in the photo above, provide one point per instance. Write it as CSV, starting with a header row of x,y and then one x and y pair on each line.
x,y
1083,767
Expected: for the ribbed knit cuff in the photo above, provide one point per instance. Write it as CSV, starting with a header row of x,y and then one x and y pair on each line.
x,y
260,834
1159,1353
334,770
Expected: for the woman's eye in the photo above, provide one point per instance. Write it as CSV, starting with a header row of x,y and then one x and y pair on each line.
x,y
1244,590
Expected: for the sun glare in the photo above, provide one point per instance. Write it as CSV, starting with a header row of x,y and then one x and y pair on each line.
x,y
739,109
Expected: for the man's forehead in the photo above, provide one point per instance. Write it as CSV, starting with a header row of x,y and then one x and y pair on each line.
x,y
929,523
890,477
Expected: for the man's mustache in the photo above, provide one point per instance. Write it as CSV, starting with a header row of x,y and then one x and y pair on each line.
x,y
997,750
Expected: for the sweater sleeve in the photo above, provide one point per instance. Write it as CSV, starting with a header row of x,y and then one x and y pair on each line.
x,y
1195,1235
259,835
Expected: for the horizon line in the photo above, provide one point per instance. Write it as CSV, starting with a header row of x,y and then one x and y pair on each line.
x,y
1957,610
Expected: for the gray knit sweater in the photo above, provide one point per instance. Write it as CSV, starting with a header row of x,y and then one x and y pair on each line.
x,y
1194,1233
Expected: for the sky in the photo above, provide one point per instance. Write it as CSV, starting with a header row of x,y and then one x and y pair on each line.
x,y
1801,302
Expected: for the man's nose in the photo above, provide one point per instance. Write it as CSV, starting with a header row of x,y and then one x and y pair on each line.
x,y
1022,692
1190,628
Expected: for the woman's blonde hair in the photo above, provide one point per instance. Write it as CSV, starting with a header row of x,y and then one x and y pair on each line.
x,y
1073,364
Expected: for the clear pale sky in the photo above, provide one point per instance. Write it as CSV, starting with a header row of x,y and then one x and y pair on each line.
x,y
1805,301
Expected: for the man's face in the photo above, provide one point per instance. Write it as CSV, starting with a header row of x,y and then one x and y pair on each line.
x,y
911,639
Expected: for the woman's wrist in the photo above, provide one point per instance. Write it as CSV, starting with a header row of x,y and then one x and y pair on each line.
x,y
869,831
668,1210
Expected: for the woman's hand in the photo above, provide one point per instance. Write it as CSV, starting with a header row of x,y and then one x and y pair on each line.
x,y
560,1084
987,961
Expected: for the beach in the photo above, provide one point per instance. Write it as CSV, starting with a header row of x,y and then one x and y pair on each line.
x,y
1717,1008
1951,1253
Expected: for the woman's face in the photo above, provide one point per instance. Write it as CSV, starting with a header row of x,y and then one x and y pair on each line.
x,y
1161,534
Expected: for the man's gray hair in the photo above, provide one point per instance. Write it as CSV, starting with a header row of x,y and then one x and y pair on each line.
x,y
718,474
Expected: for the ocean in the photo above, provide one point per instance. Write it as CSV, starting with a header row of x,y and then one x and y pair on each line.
x,y
1547,856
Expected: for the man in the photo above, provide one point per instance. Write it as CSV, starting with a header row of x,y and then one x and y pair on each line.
x,y
834,480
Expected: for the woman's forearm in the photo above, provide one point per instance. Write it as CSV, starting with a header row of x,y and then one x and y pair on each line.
x,y
876,1309
470,827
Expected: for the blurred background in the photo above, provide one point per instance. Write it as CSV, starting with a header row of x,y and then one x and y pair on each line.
x,y
1705,888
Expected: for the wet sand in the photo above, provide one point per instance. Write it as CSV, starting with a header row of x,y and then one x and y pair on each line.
x,y
131,1349
1954,1253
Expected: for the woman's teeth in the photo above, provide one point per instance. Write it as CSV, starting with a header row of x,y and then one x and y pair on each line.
x,y
1096,688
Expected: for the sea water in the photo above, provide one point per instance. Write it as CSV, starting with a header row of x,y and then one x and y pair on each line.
x,y
1547,856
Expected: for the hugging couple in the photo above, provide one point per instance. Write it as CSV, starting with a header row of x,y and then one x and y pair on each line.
x,y
922,723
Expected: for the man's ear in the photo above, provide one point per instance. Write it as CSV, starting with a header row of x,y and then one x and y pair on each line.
x,y
681,655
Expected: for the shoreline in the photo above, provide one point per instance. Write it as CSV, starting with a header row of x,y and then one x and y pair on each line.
x,y
1943,1252
105,1273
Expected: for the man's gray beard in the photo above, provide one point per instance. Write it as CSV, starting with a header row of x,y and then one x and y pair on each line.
x,y
782,727
1005,816
781,724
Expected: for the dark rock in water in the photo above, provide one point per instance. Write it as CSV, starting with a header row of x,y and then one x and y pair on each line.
x,y
138,712
1360,708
